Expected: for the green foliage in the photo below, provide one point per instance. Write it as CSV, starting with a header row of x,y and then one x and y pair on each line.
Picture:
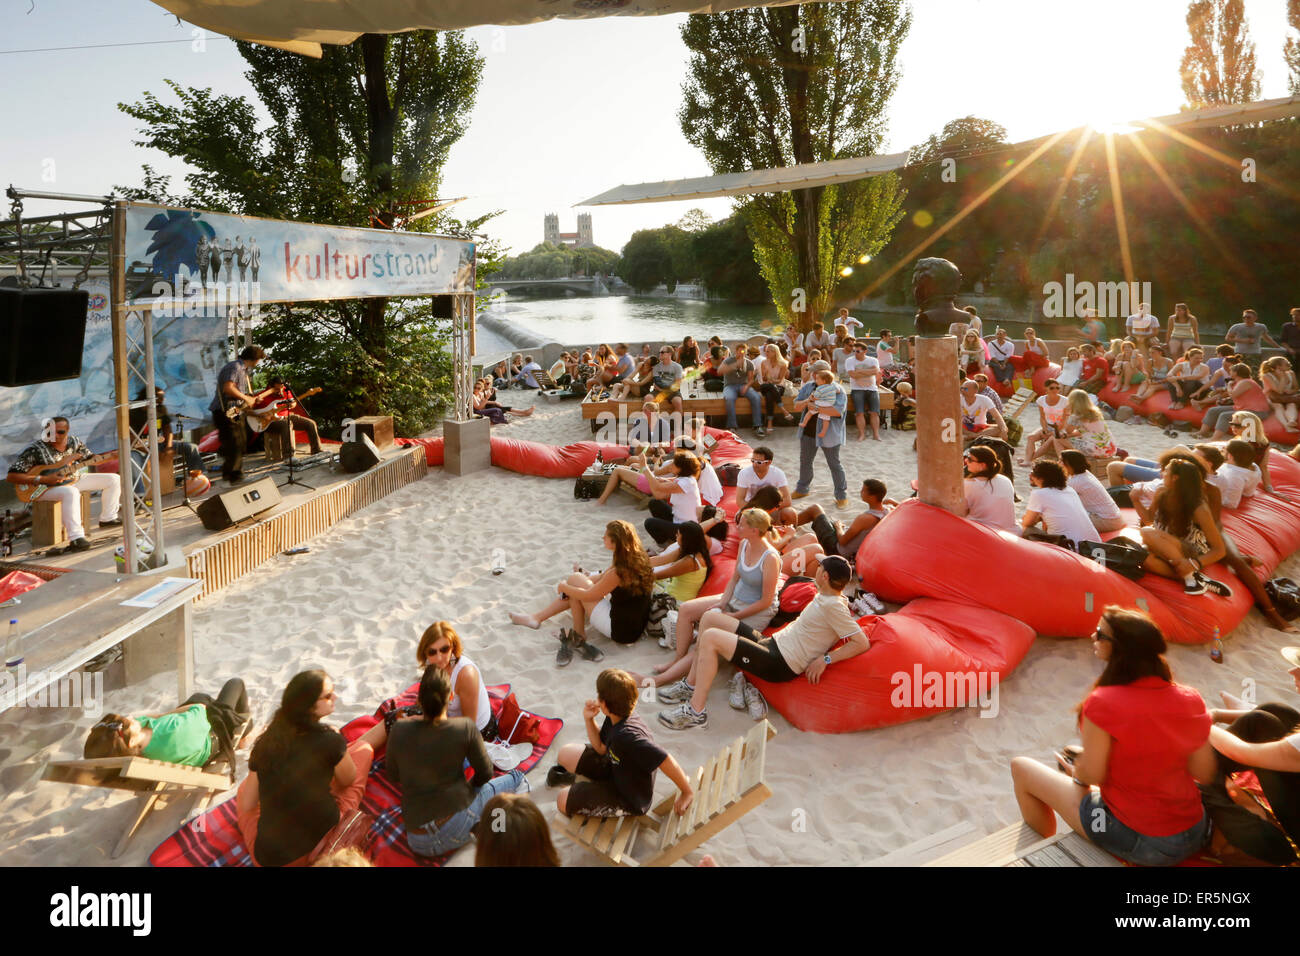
x,y
351,138
549,261
1291,49
960,137
1218,66
648,258
781,86
724,256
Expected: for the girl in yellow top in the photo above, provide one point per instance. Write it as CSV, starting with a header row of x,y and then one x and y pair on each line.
x,y
682,576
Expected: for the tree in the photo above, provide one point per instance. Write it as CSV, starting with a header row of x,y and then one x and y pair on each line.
x,y
781,86
1219,66
1292,48
648,259
362,129
724,256
962,137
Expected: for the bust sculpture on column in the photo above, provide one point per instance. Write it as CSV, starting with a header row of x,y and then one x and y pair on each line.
x,y
935,283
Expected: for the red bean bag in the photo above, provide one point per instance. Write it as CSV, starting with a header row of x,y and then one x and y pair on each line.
x,y
1160,401
929,657
433,450
1042,375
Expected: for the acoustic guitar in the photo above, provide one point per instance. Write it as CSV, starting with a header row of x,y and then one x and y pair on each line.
x,y
70,462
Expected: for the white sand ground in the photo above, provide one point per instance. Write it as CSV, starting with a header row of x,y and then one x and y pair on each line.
x,y
357,603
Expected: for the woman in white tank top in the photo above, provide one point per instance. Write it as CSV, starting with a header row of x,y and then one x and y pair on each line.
x,y
441,645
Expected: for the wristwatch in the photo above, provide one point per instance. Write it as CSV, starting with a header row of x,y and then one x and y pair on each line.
x,y
826,658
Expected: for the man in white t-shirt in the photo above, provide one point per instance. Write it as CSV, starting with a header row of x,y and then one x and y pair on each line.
x,y
1051,419
1055,505
976,410
1240,469
818,338
864,381
848,321
761,473
1187,377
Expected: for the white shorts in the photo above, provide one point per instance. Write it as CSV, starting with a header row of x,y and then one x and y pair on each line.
x,y
600,617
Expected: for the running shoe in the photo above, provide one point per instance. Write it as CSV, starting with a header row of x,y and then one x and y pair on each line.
x,y
669,625
683,717
870,600
736,695
1213,586
755,702
676,692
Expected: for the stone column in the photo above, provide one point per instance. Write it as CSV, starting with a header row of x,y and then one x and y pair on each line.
x,y
938,424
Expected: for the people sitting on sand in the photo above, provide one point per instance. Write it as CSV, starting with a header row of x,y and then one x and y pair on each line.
x,y
677,497
1246,426
616,603
426,759
1182,535
684,572
201,728
1094,370
1146,742
1246,395
1265,741
1188,376
619,760
760,473
834,537
1054,504
979,416
1129,367
1052,409
486,407
1102,510
1280,388
982,381
990,495
1001,351
1085,428
1071,368
751,591
802,647
522,838
304,779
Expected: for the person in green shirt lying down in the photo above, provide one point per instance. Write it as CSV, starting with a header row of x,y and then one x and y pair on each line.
x,y
192,734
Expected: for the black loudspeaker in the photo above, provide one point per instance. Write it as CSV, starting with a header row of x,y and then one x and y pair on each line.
x,y
358,455
42,332
221,511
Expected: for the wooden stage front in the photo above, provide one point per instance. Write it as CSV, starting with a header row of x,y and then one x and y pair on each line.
x,y
218,558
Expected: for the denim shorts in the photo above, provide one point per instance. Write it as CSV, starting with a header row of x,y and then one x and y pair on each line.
x,y
1114,837
866,400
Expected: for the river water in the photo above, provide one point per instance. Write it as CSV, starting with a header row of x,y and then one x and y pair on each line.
x,y
589,320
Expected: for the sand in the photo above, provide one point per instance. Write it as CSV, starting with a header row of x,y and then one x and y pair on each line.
x,y
357,602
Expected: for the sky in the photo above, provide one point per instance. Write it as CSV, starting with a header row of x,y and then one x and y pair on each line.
x,y
568,109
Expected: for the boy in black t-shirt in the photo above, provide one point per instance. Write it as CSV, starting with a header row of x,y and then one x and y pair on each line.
x,y
619,760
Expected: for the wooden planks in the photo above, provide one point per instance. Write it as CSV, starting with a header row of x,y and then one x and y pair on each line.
x,y
1017,403
1020,845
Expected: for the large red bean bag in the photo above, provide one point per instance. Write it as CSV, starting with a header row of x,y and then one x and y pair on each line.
x,y
1160,401
929,657
433,450
1041,376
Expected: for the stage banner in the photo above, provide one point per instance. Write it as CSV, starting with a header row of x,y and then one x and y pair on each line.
x,y
188,353
187,261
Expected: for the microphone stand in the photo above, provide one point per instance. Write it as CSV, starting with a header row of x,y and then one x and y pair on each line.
x,y
292,442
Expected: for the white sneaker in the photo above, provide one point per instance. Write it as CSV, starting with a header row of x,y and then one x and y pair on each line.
x,y
755,702
669,624
676,692
736,696
508,756
871,601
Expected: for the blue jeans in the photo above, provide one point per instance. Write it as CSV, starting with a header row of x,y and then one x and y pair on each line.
x,y
807,452
434,840
729,394
1127,844
1141,469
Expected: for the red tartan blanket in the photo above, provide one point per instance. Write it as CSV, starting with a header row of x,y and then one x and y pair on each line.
x,y
212,839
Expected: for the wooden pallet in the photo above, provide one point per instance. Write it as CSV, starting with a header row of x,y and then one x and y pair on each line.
x,y
1021,845
727,787
1018,402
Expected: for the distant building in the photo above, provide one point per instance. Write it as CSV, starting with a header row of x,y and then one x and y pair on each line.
x,y
581,239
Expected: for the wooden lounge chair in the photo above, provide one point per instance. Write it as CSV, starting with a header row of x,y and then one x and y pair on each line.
x,y
152,779
1021,845
726,788
544,380
1017,403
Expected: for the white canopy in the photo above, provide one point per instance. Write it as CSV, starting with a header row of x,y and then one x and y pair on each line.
x,y
301,26
809,175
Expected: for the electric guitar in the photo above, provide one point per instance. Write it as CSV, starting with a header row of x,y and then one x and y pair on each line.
x,y
266,410
69,462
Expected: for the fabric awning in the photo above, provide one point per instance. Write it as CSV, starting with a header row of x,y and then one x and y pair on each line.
x,y
846,170
301,26
786,178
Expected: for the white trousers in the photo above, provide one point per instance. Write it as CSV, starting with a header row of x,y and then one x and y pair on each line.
x,y
70,495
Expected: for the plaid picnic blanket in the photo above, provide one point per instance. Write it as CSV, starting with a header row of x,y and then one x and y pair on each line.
x,y
212,839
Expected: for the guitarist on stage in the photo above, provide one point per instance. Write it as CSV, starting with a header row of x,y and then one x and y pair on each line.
x,y
233,389
286,425
65,486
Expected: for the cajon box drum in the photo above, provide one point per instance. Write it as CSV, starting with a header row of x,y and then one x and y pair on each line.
x,y
378,428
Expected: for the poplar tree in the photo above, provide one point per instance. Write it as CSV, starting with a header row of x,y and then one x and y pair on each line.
x,y
1218,66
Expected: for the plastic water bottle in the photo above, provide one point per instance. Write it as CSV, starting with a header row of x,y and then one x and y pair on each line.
x,y
1216,648
13,645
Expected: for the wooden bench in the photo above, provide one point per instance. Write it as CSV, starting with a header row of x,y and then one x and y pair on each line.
x,y
1021,845
726,788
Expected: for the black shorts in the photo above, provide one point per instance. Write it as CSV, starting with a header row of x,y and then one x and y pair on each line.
x,y
758,655
596,796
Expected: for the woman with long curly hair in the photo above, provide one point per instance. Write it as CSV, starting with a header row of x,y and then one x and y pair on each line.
x,y
304,780
616,603
1146,744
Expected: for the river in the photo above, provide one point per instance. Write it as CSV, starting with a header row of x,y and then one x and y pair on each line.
x,y
589,320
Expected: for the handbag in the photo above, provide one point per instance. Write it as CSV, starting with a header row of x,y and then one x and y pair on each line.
x,y
727,474
714,385
1285,595
1121,555
515,724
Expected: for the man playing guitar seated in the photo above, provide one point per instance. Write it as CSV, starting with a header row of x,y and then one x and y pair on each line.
x,y
233,391
64,485
280,420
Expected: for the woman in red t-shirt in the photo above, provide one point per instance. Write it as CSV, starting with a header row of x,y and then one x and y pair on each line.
x,y
1145,744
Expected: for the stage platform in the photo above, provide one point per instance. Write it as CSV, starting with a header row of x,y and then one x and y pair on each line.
x,y
221,557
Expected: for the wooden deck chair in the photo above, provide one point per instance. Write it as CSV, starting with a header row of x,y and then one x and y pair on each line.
x,y
544,380
726,788
1018,402
152,779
